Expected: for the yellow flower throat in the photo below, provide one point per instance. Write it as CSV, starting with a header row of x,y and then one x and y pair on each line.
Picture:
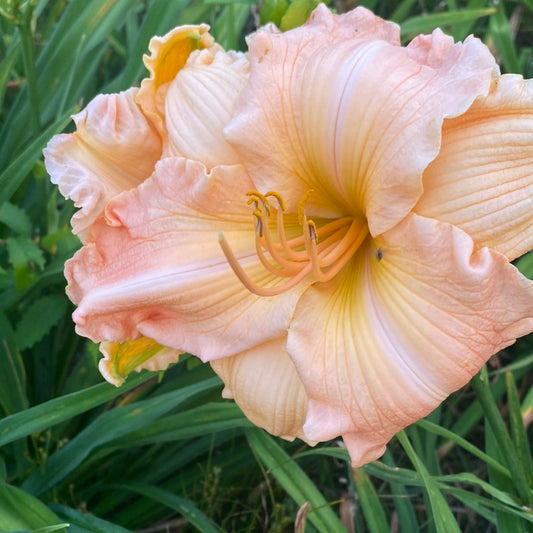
x,y
320,251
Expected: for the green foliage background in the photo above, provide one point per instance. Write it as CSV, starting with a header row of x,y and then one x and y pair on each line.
x,y
164,452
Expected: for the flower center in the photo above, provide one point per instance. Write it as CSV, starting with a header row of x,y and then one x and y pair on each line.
x,y
320,250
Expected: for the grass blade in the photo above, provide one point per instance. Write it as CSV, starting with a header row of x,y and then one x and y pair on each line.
x,y
440,510
375,517
19,511
85,523
195,517
57,410
12,374
518,431
111,425
505,444
13,176
293,479
427,23
500,33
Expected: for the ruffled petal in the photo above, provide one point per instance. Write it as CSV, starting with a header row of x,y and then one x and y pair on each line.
x,y
482,179
113,149
264,384
168,55
339,107
200,102
122,358
156,268
410,321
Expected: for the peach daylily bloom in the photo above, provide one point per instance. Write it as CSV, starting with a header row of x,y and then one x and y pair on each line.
x,y
327,219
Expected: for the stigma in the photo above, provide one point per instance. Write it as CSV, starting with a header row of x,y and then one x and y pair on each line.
x,y
320,251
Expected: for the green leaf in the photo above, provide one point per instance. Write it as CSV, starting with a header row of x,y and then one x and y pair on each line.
x,y
22,251
48,414
440,510
160,17
293,479
504,520
518,431
297,14
273,11
85,523
15,218
195,517
23,254
229,24
96,19
12,177
467,478
453,437
525,265
527,406
375,517
504,443
202,420
427,23
500,33
402,501
40,317
12,374
402,10
19,511
6,65
107,427
475,501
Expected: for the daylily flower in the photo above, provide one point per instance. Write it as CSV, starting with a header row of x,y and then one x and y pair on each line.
x,y
328,219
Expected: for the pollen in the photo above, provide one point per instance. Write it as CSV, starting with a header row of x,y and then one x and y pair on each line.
x,y
320,251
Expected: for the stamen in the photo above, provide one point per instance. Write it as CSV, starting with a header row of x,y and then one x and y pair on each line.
x,y
248,283
298,257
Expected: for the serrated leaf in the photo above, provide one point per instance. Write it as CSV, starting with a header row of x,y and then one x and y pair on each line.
x,y
24,277
15,218
23,251
39,319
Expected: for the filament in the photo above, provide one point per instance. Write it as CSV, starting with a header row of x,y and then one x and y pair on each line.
x,y
319,251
